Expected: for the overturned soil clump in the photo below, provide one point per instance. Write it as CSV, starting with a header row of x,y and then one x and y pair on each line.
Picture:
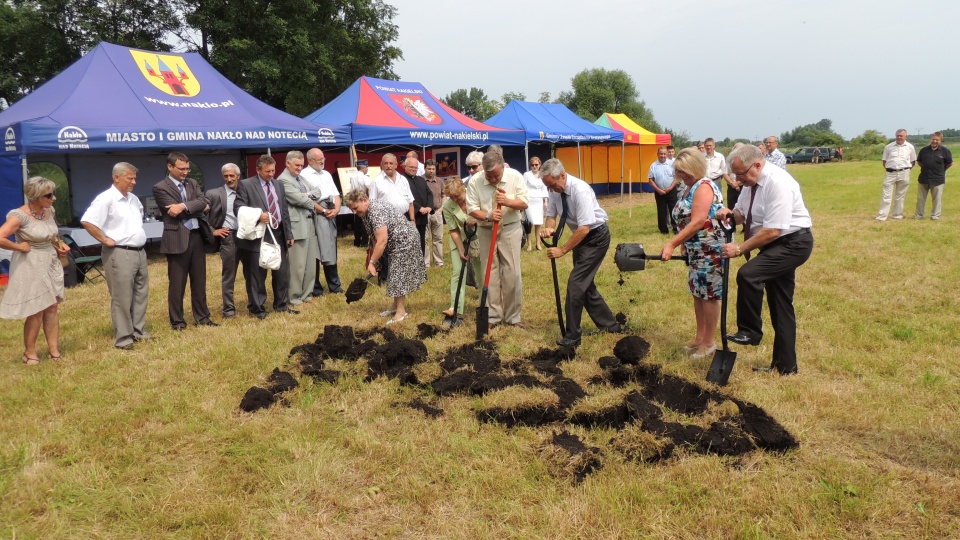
x,y
572,457
356,290
396,360
535,415
257,398
631,349
418,405
281,381
427,331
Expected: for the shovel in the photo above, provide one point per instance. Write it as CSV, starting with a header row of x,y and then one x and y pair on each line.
x,y
723,360
483,312
553,262
357,289
453,321
633,258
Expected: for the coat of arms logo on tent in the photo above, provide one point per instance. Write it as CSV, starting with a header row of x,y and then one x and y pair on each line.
x,y
169,73
416,108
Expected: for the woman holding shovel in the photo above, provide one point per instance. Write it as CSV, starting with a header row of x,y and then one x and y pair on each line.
x,y
391,231
457,220
695,214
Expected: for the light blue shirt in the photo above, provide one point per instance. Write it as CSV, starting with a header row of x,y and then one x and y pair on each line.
x,y
661,174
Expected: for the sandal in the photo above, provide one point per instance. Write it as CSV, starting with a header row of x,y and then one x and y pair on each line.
x,y
57,357
30,361
395,321
387,312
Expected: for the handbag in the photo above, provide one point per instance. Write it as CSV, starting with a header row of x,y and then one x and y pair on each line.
x,y
270,256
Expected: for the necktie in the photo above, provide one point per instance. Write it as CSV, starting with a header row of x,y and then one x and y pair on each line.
x,y
191,223
748,223
272,203
563,214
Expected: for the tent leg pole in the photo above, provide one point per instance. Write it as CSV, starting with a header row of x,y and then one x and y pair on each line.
x,y
353,155
526,152
579,160
623,157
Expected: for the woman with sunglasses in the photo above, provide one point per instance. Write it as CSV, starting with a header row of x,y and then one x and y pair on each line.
x,y
36,275
537,192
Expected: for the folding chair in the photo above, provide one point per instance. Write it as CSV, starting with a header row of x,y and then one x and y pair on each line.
x,y
86,264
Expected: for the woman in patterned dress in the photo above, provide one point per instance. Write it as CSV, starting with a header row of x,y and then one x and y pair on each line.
x,y
394,234
703,239
36,275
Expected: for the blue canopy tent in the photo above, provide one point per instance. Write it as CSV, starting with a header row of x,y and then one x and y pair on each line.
x,y
554,124
142,104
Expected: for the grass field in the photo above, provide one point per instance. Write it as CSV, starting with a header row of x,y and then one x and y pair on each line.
x,y
151,443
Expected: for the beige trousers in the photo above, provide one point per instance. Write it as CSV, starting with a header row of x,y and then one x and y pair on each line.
x,y
894,191
936,191
505,294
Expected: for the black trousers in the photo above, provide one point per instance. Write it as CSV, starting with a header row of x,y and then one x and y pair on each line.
x,y
582,291
733,195
191,264
665,204
256,278
774,270
360,238
331,275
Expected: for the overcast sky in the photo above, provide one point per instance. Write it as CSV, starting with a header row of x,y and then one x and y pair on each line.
x,y
713,69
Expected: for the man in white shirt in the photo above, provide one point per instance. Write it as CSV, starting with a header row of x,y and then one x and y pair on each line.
x,y
716,165
391,187
325,191
115,219
898,158
498,193
575,198
776,222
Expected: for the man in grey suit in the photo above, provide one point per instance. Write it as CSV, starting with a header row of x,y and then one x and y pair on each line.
x,y
182,205
263,193
221,218
301,202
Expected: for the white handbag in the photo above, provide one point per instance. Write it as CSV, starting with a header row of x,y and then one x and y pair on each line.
x,y
270,257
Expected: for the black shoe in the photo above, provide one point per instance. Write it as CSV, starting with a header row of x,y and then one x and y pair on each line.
x,y
567,342
617,329
207,322
337,291
127,347
262,315
288,310
774,370
179,328
742,339
762,369
230,315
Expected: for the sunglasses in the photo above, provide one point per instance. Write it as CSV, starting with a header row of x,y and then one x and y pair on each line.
x,y
472,167
49,195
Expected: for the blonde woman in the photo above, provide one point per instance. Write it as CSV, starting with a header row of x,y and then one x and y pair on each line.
x,y
703,239
457,221
36,275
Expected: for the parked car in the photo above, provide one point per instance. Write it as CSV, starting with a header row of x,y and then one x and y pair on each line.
x,y
805,155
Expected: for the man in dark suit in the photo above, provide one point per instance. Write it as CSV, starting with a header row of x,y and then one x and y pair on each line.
x,y
263,193
422,198
182,205
222,219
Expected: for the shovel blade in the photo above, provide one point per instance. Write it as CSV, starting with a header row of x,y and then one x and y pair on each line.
x,y
721,367
483,318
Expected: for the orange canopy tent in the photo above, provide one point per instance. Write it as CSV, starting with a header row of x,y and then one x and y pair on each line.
x,y
634,157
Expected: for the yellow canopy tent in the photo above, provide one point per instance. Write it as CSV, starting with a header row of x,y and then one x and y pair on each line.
x,y
633,158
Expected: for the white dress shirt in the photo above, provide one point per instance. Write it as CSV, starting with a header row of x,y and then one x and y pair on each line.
x,y
119,216
778,204
395,192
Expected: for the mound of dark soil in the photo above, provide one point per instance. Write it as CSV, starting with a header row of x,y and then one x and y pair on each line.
x,y
641,408
583,459
568,391
679,394
427,331
479,356
615,417
281,381
355,290
396,360
418,404
609,362
548,360
455,383
537,415
257,398
309,353
621,318
322,375
631,349
766,432
725,439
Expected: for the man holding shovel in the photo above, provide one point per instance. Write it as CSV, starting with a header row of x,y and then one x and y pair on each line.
x,y
778,224
575,199
499,194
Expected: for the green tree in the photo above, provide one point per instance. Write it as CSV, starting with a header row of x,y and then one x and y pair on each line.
x,y
810,134
869,137
39,38
679,138
597,91
473,103
544,97
296,54
510,96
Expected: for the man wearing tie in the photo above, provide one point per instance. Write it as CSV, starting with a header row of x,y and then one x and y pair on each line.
x,y
182,205
575,201
221,217
263,193
301,202
776,222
